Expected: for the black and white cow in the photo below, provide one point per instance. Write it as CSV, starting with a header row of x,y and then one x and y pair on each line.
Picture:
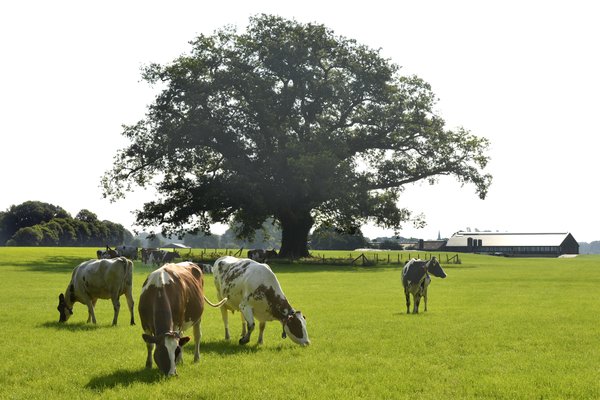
x,y
171,301
106,254
415,279
160,257
253,289
130,252
261,255
98,279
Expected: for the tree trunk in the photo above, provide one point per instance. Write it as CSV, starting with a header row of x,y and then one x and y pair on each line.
x,y
295,226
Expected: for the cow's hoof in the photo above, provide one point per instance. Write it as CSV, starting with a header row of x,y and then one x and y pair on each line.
x,y
244,341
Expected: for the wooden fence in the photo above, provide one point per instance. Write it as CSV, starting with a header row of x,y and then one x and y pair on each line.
x,y
364,259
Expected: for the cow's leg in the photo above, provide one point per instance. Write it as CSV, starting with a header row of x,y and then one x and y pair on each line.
x,y
197,337
416,300
225,321
425,297
407,294
249,317
261,330
149,347
116,306
243,325
91,304
130,303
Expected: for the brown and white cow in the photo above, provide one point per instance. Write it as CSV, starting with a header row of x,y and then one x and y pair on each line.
x,y
98,279
253,289
416,280
171,301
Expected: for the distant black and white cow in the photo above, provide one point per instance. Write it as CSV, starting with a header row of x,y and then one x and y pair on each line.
x,y
145,253
171,301
415,279
98,279
130,252
106,254
261,255
253,289
160,257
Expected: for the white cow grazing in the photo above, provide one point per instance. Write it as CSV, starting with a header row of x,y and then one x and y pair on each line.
x,y
253,289
98,279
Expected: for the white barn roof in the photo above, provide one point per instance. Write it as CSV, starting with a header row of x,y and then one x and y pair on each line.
x,y
460,239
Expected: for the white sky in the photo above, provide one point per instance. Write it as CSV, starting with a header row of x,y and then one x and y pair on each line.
x,y
525,74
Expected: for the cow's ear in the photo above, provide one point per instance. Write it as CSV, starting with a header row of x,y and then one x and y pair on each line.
x,y
196,271
148,338
61,298
183,340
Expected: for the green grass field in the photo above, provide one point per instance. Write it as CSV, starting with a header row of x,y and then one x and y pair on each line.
x,y
497,328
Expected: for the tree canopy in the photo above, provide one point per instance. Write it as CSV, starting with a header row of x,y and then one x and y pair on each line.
x,y
35,223
287,121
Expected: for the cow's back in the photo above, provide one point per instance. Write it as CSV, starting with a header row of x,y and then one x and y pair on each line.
x,y
182,285
103,278
239,279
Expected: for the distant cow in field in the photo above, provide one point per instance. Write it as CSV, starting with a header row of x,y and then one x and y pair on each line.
x,y
158,257
106,254
171,301
253,289
130,252
98,279
169,256
261,255
206,268
415,279
146,254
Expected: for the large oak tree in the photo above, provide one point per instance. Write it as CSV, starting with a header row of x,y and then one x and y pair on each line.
x,y
289,121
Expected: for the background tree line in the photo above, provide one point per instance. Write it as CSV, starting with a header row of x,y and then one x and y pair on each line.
x,y
35,223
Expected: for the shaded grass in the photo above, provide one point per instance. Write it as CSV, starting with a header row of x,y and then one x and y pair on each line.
x,y
496,328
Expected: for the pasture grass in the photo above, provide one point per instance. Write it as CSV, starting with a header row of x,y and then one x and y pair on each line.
x,y
497,328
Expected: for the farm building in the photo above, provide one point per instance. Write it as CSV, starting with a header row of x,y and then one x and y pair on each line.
x,y
514,244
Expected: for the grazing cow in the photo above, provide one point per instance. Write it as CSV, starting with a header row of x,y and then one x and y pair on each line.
x,y
130,252
415,279
107,254
160,257
169,256
171,301
261,255
253,289
146,254
98,279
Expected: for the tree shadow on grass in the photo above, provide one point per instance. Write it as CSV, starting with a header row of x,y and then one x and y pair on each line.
x,y
56,264
124,378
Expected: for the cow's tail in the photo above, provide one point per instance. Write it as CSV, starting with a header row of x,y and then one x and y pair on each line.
x,y
219,304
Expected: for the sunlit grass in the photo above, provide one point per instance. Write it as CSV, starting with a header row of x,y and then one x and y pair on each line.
x,y
496,328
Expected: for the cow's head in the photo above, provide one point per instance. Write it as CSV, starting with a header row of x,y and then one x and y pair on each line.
x,y
435,269
294,326
63,308
168,350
